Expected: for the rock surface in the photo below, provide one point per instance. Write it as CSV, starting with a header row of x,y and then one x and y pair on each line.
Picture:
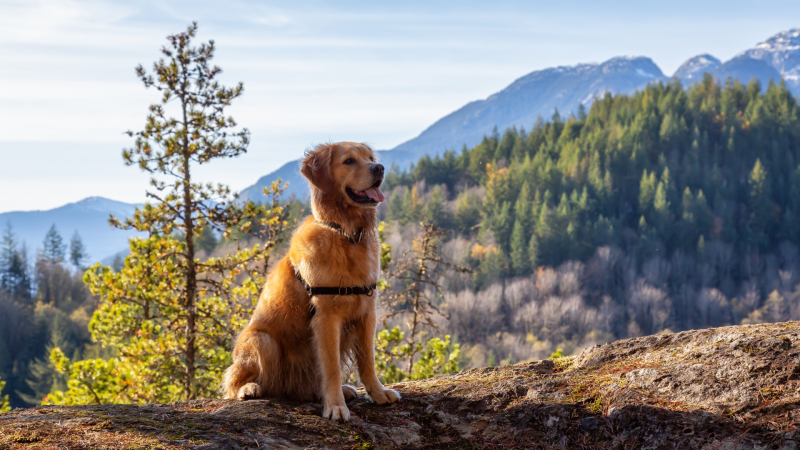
x,y
724,388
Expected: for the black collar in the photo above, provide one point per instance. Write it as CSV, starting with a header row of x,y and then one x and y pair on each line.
x,y
354,290
353,239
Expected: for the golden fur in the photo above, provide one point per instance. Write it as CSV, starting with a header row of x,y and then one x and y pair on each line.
x,y
285,352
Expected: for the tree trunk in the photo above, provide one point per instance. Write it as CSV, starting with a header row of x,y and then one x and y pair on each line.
x,y
413,330
190,308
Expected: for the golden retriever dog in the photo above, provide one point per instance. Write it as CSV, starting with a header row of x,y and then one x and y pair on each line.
x,y
296,344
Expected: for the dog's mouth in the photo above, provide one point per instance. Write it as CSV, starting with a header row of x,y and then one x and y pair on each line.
x,y
372,194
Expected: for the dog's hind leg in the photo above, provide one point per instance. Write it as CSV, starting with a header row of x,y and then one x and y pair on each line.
x,y
247,377
349,392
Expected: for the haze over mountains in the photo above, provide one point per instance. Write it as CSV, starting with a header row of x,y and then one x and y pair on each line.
x,y
539,93
89,217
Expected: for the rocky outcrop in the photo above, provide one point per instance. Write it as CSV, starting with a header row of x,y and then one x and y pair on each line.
x,y
724,388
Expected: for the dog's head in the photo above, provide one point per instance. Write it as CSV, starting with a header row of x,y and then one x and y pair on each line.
x,y
345,172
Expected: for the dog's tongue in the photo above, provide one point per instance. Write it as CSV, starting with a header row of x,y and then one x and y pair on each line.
x,y
375,194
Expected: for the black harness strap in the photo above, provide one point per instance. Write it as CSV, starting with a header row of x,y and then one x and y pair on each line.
x,y
353,290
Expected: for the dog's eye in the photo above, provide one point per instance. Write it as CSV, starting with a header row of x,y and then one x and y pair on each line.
x,y
372,159
349,161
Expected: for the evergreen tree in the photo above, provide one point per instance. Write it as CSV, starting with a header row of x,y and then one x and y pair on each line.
x,y
523,212
170,318
689,228
545,230
468,212
394,210
520,256
791,215
116,264
44,378
8,247
435,211
502,224
53,247
702,213
77,252
498,188
647,191
661,211
14,272
533,252
506,144
412,206
760,203
207,241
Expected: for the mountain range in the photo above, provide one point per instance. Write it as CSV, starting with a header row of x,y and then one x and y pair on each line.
x,y
564,89
89,217
539,93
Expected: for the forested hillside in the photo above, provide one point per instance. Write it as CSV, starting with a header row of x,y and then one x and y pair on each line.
x,y
667,209
43,304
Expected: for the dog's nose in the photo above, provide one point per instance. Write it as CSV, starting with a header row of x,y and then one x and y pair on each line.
x,y
377,169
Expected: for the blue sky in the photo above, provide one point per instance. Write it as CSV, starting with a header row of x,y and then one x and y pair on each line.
x,y
315,71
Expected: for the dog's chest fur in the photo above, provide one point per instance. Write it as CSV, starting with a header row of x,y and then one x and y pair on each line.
x,y
325,258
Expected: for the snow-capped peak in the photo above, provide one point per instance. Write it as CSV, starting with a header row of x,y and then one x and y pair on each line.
x,y
694,68
782,52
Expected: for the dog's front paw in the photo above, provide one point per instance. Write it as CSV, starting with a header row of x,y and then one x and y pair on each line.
x,y
248,391
381,396
336,412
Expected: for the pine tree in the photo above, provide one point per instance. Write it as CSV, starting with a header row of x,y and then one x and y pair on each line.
x,y
207,241
669,188
533,252
77,251
662,213
498,188
646,238
760,203
394,210
170,318
8,247
688,223
523,210
647,191
468,211
44,378
546,235
520,256
502,224
53,247
412,206
519,151
791,215
14,271
435,209
505,145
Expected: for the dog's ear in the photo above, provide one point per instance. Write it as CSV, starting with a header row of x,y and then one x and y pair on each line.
x,y
316,166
